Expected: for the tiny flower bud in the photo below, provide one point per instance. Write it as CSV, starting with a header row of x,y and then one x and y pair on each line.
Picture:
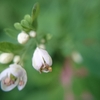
x,y
16,59
42,46
49,36
43,40
32,34
76,56
6,58
23,37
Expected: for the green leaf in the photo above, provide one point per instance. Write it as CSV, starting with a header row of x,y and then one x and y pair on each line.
x,y
34,25
25,24
28,19
11,33
10,47
18,26
35,11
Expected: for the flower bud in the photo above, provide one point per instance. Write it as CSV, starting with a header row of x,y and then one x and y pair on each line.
x,y
6,58
16,59
32,34
49,36
43,40
42,46
23,37
76,56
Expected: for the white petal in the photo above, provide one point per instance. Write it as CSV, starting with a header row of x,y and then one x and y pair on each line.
x,y
40,55
46,57
37,60
16,70
8,88
45,71
24,79
4,73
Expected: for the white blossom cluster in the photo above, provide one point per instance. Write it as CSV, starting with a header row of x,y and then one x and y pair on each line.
x,y
15,74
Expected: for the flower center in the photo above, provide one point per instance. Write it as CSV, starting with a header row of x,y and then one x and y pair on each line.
x,y
10,80
45,68
7,81
21,82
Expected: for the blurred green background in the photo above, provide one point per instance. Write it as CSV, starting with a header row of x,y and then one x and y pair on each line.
x,y
74,26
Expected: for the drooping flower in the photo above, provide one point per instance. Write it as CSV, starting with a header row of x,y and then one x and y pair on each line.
x,y
41,60
13,76
6,58
23,37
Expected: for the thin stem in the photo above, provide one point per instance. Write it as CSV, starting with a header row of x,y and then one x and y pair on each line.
x,y
36,41
28,48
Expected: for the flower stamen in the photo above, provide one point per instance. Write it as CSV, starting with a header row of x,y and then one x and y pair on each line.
x,y
21,83
7,81
45,67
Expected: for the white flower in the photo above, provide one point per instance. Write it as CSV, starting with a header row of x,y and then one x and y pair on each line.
x,y
16,59
76,56
23,37
13,76
41,60
32,34
6,58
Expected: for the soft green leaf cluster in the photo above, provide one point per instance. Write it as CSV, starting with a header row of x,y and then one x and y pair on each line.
x,y
27,24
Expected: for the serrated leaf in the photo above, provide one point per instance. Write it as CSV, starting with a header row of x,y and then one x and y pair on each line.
x,y
10,47
35,11
18,26
11,33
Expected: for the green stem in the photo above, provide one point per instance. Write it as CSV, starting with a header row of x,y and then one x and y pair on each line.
x,y
31,45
